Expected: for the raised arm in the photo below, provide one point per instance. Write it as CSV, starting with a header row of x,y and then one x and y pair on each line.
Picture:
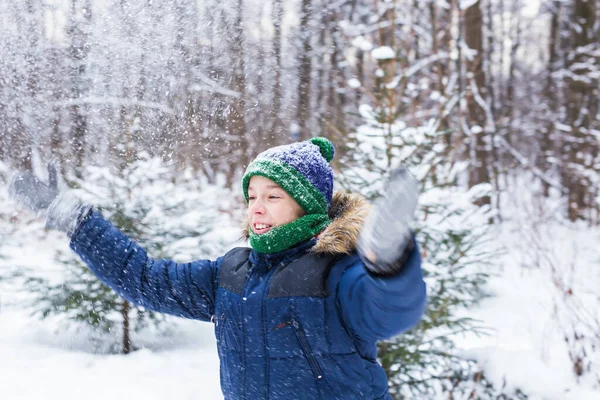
x,y
385,294
185,290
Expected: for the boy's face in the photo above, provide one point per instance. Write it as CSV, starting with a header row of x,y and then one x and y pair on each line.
x,y
269,205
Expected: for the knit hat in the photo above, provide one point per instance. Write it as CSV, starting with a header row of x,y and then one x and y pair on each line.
x,y
302,170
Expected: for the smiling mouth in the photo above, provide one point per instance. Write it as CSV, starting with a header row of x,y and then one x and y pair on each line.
x,y
261,228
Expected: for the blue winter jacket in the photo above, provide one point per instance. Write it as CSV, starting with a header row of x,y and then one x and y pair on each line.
x,y
286,328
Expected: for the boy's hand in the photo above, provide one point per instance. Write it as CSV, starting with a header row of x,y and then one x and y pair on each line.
x,y
29,191
386,238
62,210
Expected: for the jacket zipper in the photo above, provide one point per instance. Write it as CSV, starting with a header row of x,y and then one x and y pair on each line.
x,y
306,349
265,330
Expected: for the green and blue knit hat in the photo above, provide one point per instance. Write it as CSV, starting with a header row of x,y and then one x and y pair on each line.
x,y
302,170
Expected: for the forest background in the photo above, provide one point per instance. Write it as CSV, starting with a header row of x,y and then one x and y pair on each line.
x,y
484,100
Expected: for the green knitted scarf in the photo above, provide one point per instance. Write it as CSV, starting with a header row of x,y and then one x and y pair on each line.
x,y
286,236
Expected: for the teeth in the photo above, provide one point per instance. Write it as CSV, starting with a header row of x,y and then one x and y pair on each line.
x,y
261,226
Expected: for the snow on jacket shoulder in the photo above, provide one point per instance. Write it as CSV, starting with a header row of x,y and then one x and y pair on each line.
x,y
300,324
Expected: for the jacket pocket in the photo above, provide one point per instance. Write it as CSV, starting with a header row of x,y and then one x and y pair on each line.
x,y
304,345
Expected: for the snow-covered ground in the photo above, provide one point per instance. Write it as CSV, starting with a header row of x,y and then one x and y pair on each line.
x,y
544,291
37,364
39,360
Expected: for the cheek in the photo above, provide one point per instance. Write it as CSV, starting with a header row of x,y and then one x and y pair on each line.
x,y
278,215
298,212
291,213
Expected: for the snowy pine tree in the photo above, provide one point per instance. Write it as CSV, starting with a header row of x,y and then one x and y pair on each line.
x,y
168,216
456,243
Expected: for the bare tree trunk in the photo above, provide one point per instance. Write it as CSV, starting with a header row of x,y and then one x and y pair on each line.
x,y
55,138
550,95
509,100
78,133
478,172
495,167
22,141
237,120
126,328
441,35
186,140
331,97
490,52
501,50
385,32
323,82
78,51
457,14
336,98
580,90
305,70
276,122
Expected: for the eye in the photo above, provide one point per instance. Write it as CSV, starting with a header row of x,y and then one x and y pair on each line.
x,y
250,198
273,196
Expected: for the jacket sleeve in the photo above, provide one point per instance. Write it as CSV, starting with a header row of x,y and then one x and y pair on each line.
x,y
185,290
375,308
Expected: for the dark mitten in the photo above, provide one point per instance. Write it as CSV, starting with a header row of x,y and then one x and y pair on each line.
x,y
386,239
61,209
29,191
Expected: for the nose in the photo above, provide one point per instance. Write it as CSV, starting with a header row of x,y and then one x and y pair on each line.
x,y
257,207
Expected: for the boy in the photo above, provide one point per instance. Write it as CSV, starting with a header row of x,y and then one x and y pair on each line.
x,y
297,315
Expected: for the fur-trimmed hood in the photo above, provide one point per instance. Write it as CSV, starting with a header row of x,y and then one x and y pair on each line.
x,y
347,214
